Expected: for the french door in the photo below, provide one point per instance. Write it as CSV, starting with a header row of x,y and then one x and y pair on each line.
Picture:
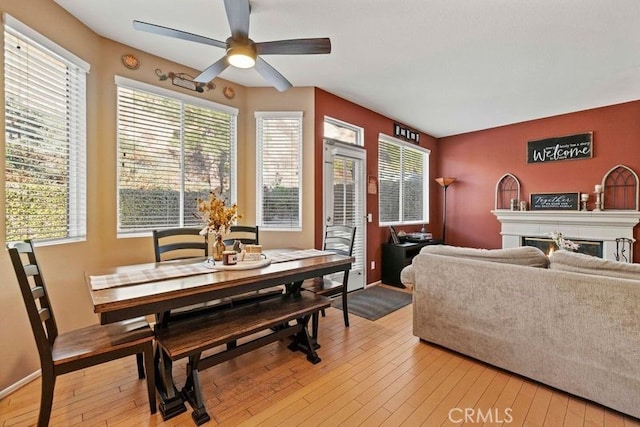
x,y
344,199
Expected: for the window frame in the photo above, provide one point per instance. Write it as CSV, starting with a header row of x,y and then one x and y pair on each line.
x,y
76,118
425,177
340,123
183,99
289,115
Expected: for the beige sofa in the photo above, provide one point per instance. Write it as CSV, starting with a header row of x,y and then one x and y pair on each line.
x,y
573,325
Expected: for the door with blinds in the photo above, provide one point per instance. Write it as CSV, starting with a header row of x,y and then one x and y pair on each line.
x,y
344,199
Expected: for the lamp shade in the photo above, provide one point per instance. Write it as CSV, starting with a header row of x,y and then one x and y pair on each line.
x,y
445,182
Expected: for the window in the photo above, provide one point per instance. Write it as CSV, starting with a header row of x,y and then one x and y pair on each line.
x,y
403,172
45,135
279,159
172,149
341,131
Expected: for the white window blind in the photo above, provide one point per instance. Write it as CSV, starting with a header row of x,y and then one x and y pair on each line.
x,y
45,135
402,176
171,150
279,160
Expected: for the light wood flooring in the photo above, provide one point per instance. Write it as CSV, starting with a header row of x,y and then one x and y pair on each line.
x,y
373,373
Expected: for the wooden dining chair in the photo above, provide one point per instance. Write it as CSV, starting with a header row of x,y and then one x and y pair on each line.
x,y
245,234
178,243
186,242
61,353
338,239
249,235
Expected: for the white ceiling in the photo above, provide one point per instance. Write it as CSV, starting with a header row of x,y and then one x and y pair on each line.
x,y
441,66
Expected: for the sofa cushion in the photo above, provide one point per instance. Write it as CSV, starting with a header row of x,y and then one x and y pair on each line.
x,y
524,255
587,264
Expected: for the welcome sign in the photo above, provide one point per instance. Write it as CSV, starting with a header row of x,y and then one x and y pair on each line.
x,y
569,147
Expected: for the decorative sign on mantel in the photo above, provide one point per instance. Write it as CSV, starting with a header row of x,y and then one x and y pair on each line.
x,y
569,147
403,132
555,201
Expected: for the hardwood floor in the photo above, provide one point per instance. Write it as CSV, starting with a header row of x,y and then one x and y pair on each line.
x,y
373,373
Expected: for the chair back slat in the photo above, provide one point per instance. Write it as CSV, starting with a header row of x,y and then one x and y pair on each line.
x,y
339,239
245,234
178,243
170,247
37,292
31,270
35,298
45,314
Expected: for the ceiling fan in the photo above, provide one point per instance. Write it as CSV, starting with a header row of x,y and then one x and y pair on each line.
x,y
242,52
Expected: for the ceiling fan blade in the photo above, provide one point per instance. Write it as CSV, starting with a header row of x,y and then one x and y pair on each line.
x,y
295,47
170,32
212,71
271,75
238,16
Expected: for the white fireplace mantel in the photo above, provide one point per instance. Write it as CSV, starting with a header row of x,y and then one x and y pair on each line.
x,y
603,226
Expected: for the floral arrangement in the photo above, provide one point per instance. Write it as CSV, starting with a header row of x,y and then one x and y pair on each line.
x,y
563,243
217,217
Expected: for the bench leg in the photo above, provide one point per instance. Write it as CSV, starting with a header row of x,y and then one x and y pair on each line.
x,y
302,341
192,392
171,403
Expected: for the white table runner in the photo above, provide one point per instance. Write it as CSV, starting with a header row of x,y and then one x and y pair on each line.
x,y
276,255
147,275
161,272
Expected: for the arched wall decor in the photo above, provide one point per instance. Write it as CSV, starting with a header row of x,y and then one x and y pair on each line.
x,y
507,188
620,189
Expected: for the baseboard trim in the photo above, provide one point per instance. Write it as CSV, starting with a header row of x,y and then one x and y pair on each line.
x,y
13,387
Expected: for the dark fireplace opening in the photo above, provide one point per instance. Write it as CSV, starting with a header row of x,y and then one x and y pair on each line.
x,y
547,245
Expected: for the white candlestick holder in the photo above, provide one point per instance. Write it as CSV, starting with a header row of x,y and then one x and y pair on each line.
x,y
598,207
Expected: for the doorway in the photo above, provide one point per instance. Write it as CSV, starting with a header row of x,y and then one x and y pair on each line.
x,y
344,199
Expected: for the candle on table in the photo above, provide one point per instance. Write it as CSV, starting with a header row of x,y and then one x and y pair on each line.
x,y
598,188
585,197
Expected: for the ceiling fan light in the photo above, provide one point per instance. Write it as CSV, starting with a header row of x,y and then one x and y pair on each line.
x,y
241,56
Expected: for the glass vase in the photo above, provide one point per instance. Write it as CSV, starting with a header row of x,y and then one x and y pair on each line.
x,y
218,248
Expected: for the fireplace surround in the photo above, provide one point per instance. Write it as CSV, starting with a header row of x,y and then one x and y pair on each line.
x,y
604,226
547,245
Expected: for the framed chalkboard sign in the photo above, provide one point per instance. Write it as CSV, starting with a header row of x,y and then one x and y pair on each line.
x,y
569,147
555,201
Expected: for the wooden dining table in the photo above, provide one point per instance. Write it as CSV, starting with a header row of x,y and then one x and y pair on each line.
x,y
126,292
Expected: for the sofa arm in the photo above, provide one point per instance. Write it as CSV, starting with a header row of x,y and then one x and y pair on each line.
x,y
407,276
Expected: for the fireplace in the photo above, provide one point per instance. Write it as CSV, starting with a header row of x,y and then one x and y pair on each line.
x,y
546,245
607,228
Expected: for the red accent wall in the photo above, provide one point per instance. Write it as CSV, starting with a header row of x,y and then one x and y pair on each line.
x,y
327,104
479,159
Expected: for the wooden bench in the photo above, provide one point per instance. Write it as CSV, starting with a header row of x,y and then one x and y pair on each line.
x,y
191,336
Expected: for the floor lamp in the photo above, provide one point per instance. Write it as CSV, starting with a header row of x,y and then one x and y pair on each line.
x,y
444,183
